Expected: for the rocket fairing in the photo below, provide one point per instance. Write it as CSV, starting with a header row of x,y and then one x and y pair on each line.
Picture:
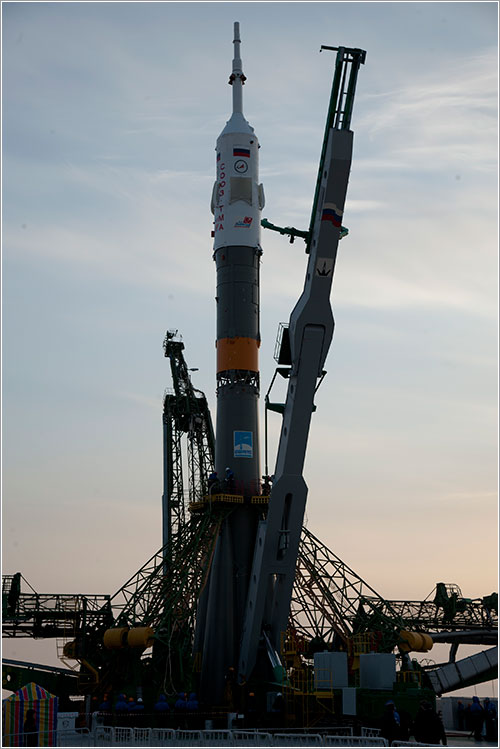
x,y
237,202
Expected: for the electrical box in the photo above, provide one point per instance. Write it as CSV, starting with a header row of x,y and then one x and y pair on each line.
x,y
330,671
377,670
349,701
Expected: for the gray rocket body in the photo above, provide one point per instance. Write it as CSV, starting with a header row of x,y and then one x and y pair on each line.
x,y
237,435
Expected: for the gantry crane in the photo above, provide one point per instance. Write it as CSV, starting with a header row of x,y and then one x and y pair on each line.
x,y
186,417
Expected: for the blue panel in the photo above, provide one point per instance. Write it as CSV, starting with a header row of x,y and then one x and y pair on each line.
x,y
243,444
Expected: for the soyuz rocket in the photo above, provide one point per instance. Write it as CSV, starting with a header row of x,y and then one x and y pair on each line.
x,y
237,202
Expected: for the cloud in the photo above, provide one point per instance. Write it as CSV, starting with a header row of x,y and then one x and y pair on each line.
x,y
364,206
139,399
450,119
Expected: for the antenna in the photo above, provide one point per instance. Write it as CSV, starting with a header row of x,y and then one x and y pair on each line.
x,y
237,79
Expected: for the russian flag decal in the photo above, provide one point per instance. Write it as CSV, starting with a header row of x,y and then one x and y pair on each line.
x,y
238,151
332,213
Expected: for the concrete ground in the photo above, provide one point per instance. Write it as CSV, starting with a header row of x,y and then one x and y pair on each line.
x,y
456,738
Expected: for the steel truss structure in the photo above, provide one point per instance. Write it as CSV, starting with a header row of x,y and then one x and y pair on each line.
x,y
186,420
330,600
164,597
330,603
32,614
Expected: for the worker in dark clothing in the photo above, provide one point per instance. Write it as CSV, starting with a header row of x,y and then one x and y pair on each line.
x,y
105,705
105,709
181,710
121,704
130,717
405,725
192,704
266,486
390,724
181,701
278,711
14,594
229,688
229,480
121,710
137,710
490,720
460,715
192,707
428,727
161,706
30,731
468,717
213,483
251,717
81,723
477,718
162,711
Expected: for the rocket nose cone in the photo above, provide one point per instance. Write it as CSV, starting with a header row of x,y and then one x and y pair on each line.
x,y
237,124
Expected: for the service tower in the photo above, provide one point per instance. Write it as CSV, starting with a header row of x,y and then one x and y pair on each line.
x,y
237,202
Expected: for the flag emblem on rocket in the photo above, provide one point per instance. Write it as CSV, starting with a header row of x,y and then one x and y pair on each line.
x,y
331,213
237,151
245,223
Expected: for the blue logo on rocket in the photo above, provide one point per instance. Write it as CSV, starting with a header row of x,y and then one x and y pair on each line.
x,y
243,444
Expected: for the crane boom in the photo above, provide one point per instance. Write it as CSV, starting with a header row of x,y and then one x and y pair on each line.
x,y
310,334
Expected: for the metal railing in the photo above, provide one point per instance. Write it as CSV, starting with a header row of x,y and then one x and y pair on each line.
x,y
159,737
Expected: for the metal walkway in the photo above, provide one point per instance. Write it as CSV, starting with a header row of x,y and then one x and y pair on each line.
x,y
466,672
39,615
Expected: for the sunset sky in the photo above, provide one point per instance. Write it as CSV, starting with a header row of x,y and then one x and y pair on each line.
x,y
110,116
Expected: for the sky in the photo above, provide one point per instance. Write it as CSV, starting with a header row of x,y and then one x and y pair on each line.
x,y
110,116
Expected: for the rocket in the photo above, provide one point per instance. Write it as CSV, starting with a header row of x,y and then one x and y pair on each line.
x,y
237,202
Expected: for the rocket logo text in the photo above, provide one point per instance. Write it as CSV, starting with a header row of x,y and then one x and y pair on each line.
x,y
244,224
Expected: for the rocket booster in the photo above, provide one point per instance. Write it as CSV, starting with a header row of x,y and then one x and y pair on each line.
x,y
237,202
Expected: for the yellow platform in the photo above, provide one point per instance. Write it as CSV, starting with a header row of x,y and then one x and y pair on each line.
x,y
225,499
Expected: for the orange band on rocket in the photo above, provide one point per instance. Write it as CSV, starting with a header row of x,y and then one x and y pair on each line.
x,y
238,353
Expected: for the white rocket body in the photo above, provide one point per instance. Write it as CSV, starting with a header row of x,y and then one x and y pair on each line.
x,y
237,197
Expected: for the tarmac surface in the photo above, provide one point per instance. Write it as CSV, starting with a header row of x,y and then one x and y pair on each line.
x,y
466,740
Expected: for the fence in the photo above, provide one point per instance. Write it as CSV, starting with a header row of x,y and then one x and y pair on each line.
x,y
252,738
103,736
411,743
297,739
187,738
355,741
370,732
71,738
